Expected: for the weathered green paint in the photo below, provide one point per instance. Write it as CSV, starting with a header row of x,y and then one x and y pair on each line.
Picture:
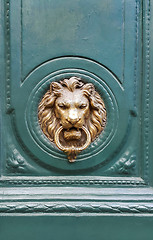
x,y
107,193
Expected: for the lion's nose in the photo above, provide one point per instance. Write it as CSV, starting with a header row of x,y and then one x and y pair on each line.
x,y
73,116
73,121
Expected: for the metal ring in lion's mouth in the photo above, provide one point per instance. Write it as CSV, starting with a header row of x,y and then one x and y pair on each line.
x,y
68,149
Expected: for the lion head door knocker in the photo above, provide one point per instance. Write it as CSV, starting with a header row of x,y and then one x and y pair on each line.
x,y
72,114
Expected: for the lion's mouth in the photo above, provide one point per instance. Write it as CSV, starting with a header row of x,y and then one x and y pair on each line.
x,y
72,141
72,134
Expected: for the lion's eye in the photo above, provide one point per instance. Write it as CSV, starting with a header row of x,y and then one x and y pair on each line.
x,y
82,106
62,106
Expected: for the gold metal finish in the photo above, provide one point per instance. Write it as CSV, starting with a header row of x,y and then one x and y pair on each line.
x,y
72,151
72,114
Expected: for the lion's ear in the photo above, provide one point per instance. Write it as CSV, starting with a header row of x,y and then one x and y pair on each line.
x,y
55,87
88,88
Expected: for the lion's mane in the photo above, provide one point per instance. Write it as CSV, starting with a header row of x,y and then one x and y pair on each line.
x,y
46,114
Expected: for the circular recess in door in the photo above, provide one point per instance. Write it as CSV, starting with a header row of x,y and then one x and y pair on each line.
x,y
108,88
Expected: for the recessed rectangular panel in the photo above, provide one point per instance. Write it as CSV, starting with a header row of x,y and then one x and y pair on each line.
x,y
101,44
51,29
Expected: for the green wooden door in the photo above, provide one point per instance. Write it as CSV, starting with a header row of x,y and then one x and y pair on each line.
x,y
106,193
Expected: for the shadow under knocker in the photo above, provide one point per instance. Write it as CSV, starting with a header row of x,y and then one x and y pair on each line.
x,y
72,114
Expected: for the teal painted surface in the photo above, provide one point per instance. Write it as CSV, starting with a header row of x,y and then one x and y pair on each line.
x,y
59,28
93,43
122,149
109,194
77,228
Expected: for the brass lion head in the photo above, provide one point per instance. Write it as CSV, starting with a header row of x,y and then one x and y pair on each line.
x,y
72,114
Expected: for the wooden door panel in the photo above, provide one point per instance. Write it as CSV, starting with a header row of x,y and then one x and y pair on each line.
x,y
39,53
109,45
121,228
